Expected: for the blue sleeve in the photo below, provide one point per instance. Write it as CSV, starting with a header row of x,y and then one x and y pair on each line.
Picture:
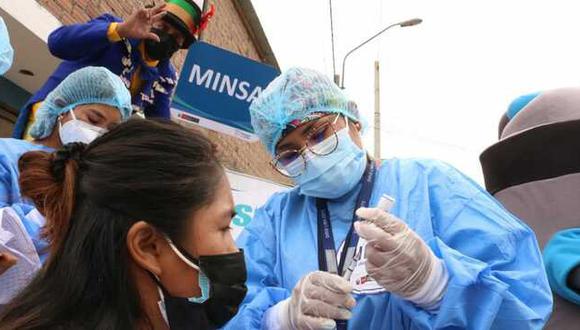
x,y
562,255
264,291
5,183
161,106
496,273
21,122
78,41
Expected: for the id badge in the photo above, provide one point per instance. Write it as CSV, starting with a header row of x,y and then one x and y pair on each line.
x,y
360,280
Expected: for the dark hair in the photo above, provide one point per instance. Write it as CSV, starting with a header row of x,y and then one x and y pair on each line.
x,y
90,195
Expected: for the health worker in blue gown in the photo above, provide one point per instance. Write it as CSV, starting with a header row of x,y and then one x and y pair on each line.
x,y
324,256
81,108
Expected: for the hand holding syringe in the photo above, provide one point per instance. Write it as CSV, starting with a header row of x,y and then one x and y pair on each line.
x,y
398,259
386,204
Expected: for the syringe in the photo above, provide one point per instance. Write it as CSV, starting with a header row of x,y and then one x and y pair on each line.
x,y
386,204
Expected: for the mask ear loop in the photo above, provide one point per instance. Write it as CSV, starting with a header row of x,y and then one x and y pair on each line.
x,y
345,120
161,303
72,113
336,119
61,116
182,257
204,291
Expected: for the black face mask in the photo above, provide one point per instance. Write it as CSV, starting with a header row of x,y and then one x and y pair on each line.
x,y
227,277
162,50
182,314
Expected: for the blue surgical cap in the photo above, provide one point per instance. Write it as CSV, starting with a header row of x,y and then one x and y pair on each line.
x,y
293,95
84,86
6,51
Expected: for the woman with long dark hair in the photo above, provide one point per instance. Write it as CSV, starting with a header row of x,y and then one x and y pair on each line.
x,y
138,224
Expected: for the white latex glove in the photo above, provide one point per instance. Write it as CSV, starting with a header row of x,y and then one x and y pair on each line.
x,y
399,260
317,300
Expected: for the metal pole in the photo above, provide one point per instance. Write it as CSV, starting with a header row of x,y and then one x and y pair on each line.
x,y
332,40
406,23
377,112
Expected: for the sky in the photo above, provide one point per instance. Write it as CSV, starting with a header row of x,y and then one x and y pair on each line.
x,y
444,84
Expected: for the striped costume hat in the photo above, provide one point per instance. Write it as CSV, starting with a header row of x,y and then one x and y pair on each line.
x,y
188,17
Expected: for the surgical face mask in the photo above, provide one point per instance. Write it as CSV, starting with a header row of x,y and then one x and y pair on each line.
x,y
162,50
222,280
335,174
76,130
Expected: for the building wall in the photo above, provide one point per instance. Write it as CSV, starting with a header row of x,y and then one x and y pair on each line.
x,y
7,120
227,30
11,98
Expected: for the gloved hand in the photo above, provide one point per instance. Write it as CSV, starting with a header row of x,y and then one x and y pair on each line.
x,y
317,300
399,260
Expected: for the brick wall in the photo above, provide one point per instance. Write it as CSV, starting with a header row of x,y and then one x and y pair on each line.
x,y
226,30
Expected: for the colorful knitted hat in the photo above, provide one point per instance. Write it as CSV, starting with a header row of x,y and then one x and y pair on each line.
x,y
188,17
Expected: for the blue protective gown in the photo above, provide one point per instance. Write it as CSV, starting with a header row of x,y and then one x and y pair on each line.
x,y
10,152
496,275
562,255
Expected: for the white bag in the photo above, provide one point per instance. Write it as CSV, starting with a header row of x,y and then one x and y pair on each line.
x,y
14,239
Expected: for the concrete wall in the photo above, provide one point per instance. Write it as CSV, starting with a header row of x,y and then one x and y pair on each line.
x,y
11,98
227,30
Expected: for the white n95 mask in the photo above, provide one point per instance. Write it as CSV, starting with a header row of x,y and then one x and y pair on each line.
x,y
76,130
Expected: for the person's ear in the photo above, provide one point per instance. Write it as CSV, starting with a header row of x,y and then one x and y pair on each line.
x,y
144,244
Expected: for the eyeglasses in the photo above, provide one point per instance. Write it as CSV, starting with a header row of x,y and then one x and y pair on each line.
x,y
320,141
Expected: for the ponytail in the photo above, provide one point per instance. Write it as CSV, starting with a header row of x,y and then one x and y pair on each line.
x,y
49,180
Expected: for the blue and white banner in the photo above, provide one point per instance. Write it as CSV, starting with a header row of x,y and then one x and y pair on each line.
x,y
216,88
249,194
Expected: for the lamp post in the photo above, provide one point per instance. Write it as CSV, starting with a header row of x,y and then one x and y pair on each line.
x,y
411,22
377,117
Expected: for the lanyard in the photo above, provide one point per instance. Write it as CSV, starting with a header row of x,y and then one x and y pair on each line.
x,y
326,249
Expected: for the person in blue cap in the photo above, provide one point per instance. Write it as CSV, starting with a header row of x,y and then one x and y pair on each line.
x,y
137,49
323,255
534,171
81,108
6,50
